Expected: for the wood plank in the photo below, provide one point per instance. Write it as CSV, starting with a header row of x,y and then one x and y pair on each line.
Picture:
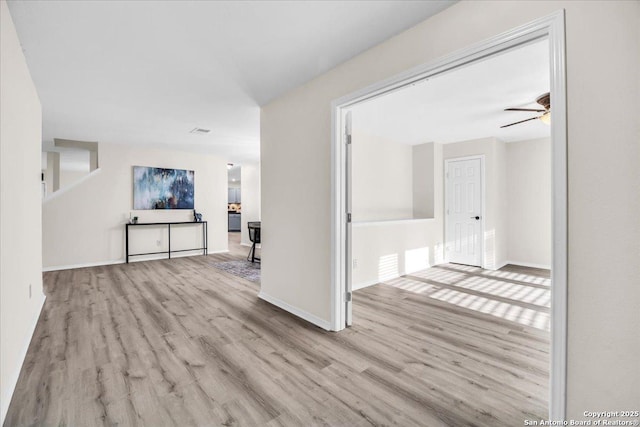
x,y
178,342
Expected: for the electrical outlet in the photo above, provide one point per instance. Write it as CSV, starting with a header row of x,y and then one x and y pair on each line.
x,y
355,263
29,290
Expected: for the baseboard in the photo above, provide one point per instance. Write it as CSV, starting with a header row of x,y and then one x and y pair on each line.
x,y
84,265
121,261
250,244
25,349
529,264
296,311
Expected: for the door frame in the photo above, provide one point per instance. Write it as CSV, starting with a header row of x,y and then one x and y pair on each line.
x,y
553,28
482,198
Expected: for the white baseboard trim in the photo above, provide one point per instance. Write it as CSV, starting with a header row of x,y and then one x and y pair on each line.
x,y
14,379
121,261
529,264
83,265
324,324
250,244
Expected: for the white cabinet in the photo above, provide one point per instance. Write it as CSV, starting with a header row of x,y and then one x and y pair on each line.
x,y
234,195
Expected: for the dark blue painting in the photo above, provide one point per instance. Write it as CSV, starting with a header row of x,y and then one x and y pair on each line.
x,y
158,188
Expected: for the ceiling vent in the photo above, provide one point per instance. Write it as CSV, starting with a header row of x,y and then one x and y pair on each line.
x,y
200,131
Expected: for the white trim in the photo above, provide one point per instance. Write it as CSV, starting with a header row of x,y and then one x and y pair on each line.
x,y
259,245
553,27
337,220
528,264
131,261
82,265
14,381
559,206
296,311
483,197
61,191
389,222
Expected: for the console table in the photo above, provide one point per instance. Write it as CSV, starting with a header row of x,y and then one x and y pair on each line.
x,y
204,248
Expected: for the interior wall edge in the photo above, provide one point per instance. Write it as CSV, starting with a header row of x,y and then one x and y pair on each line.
x,y
311,318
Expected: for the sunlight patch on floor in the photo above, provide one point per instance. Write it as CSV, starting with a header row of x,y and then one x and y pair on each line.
x,y
440,275
495,297
536,280
528,294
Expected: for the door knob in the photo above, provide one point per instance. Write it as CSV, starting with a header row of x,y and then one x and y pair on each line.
x,y
475,217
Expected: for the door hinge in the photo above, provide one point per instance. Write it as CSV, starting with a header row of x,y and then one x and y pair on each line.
x,y
348,139
347,297
349,217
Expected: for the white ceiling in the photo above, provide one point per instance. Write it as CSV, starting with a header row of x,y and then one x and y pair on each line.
x,y
147,72
466,103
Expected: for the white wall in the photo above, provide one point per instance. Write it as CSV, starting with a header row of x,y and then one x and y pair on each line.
x,y
21,296
84,224
69,177
250,180
382,178
517,215
424,191
383,250
529,202
495,219
603,181
52,172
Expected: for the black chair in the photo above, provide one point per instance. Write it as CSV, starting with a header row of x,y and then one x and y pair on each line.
x,y
254,236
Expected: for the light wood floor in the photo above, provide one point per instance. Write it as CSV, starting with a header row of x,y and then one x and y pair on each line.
x,y
179,343
236,250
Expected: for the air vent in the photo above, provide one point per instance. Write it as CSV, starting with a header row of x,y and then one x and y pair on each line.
x,y
200,131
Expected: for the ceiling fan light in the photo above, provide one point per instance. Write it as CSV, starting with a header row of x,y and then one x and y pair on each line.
x,y
546,118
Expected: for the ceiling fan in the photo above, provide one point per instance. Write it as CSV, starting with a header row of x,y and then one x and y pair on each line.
x,y
545,101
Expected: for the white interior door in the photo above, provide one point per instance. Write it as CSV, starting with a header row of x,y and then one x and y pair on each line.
x,y
464,206
348,254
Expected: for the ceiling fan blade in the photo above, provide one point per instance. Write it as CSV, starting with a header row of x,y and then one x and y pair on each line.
x,y
521,121
525,109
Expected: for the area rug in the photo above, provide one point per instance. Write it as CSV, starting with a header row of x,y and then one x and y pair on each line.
x,y
244,269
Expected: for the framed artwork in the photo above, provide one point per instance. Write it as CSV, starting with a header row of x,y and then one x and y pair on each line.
x,y
159,188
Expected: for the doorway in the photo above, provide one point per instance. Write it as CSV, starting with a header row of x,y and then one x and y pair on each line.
x,y
464,210
551,27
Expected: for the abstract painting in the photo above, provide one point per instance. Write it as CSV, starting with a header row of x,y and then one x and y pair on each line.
x,y
158,188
